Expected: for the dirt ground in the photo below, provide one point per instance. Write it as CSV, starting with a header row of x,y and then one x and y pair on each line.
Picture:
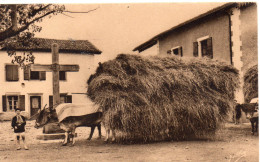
x,y
232,143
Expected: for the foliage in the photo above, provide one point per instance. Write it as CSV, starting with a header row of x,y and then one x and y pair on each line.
x,y
18,25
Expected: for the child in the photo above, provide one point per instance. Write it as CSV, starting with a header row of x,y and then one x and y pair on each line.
x,y
18,123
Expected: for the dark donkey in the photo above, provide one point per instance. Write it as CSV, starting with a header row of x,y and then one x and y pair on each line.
x,y
69,124
251,111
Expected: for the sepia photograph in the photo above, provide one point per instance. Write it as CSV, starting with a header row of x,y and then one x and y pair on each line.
x,y
127,81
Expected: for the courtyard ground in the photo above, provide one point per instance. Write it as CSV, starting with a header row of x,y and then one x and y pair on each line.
x,y
232,143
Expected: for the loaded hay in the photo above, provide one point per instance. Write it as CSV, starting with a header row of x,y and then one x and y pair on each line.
x,y
163,98
251,83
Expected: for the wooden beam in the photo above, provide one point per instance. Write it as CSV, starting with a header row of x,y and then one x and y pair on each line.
x,y
55,74
40,67
69,68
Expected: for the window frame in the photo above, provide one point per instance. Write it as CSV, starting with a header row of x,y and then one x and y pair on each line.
x,y
7,103
199,40
176,48
14,104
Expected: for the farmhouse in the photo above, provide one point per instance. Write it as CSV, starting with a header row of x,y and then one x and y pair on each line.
x,y
32,90
227,33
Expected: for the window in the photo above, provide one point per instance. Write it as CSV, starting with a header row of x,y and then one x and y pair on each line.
x,y
11,72
203,47
62,75
11,102
63,99
177,51
34,75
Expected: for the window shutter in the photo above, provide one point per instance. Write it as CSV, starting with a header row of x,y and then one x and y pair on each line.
x,y
26,73
15,73
180,51
50,101
42,75
69,99
209,48
9,73
4,102
22,102
195,49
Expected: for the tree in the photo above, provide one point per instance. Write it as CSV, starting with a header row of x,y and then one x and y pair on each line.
x,y
18,25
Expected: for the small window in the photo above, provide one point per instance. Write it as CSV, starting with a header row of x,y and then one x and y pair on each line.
x,y
63,99
62,75
34,75
12,103
177,51
37,75
12,73
203,47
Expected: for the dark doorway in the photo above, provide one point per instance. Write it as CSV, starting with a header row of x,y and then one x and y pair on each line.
x,y
35,104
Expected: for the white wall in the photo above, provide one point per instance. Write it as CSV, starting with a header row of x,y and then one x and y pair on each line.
x,y
76,81
152,51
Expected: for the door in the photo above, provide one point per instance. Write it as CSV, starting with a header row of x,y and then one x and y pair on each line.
x,y
35,104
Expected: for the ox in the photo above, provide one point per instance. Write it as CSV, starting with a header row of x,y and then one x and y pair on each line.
x,y
251,111
70,123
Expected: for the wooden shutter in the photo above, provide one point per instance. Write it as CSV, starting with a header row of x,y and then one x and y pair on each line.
x,y
209,48
4,102
180,51
195,49
69,99
15,72
50,101
42,75
26,73
22,102
11,73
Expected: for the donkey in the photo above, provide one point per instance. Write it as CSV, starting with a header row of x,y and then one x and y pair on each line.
x,y
69,124
251,111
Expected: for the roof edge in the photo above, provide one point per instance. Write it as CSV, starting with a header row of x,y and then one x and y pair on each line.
x,y
143,46
60,51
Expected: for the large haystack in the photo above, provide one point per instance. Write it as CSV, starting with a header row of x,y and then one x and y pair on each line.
x,y
251,83
162,98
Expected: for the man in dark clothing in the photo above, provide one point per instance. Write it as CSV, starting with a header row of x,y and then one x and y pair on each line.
x,y
18,123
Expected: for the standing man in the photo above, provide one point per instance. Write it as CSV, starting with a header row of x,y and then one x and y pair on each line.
x,y
18,123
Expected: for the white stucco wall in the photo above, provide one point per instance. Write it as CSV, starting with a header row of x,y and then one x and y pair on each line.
x,y
152,51
76,82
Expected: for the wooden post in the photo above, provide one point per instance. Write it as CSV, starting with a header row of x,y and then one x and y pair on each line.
x,y
55,74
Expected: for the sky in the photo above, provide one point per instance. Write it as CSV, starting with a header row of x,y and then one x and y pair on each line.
x,y
119,27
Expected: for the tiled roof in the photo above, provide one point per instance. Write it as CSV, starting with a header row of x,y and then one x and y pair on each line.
x,y
221,8
65,46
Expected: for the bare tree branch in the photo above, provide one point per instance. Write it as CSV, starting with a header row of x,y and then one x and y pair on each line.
x,y
82,12
67,15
